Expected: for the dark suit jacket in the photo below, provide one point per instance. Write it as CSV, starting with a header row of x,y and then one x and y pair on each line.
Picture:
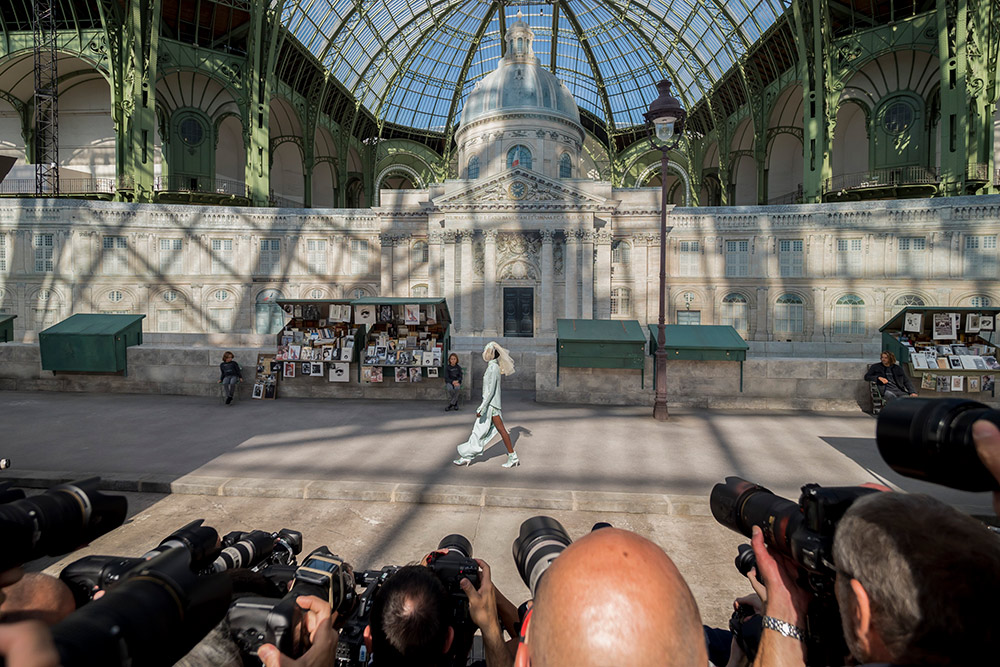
x,y
894,373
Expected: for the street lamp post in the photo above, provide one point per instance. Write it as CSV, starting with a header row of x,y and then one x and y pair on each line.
x,y
665,121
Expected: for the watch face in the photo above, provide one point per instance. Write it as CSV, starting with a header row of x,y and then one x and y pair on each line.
x,y
517,190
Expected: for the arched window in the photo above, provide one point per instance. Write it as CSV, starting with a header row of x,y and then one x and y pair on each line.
x,y
979,301
907,300
419,291
621,252
736,311
849,315
472,170
788,314
419,253
621,301
269,317
565,166
519,156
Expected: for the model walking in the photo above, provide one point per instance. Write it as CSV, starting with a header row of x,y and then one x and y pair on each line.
x,y
488,419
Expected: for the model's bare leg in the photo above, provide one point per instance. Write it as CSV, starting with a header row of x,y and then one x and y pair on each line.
x,y
498,422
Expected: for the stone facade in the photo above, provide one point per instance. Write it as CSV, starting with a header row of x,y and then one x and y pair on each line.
x,y
581,252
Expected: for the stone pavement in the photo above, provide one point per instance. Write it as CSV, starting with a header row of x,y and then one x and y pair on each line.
x,y
597,458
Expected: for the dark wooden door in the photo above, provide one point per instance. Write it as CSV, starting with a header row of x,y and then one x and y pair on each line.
x,y
518,311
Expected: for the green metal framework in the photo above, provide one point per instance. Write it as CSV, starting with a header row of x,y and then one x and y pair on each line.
x,y
386,79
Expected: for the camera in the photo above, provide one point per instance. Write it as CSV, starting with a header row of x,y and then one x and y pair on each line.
x,y
258,549
455,565
154,616
931,440
5,463
747,626
254,621
57,521
91,574
539,541
802,531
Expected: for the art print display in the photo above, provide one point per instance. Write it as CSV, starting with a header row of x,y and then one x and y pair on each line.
x,y
955,362
991,362
943,350
385,313
289,369
919,361
402,374
416,375
376,374
364,315
945,326
306,368
974,382
972,323
987,383
411,314
969,362
340,372
432,372
986,323
958,383
943,383
258,391
913,322
294,352
270,390
928,381
317,369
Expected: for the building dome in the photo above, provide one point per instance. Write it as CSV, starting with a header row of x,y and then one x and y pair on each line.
x,y
519,84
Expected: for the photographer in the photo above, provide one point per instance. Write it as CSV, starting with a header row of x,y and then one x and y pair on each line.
x,y
613,598
916,582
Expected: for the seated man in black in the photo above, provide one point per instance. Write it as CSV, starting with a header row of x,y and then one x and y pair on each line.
x,y
890,378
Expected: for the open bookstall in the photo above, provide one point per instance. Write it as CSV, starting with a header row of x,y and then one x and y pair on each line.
x,y
407,340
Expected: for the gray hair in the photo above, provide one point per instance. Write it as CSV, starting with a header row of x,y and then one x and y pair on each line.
x,y
932,575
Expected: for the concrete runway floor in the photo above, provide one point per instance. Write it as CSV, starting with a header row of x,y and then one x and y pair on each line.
x,y
573,457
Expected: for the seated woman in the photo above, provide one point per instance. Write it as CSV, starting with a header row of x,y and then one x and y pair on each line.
x,y
453,381
892,381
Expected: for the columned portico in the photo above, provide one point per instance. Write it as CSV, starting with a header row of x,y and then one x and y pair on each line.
x,y
548,323
464,323
571,258
490,305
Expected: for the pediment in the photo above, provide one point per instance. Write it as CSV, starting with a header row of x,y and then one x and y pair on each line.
x,y
521,189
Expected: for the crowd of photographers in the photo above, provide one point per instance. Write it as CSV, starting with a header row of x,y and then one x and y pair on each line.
x,y
845,575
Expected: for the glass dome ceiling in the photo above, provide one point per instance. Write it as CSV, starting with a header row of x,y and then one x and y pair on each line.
x,y
412,62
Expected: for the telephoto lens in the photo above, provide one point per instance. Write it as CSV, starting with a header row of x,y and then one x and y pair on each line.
x,y
740,505
538,543
57,521
456,542
931,440
247,551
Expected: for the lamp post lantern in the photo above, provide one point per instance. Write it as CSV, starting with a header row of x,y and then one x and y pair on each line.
x,y
665,122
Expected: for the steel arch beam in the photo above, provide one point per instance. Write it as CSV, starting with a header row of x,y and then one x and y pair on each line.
x,y
464,74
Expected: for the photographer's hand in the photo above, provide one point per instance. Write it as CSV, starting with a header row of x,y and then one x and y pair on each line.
x,y
986,435
27,644
483,610
319,620
785,602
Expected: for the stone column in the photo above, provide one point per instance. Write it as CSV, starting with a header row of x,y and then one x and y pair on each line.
x,y
465,299
400,272
710,309
819,314
763,332
571,262
548,324
640,280
587,276
434,257
448,280
490,306
602,275
385,266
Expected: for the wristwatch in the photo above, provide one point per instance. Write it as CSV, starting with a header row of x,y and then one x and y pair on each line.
x,y
784,628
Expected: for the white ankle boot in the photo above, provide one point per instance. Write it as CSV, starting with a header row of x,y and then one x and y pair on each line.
x,y
511,461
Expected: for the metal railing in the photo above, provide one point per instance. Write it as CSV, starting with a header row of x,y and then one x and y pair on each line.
x,y
67,186
883,178
794,197
978,171
285,202
199,184
996,177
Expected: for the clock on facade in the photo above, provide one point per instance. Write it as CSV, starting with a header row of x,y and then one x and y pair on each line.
x,y
517,190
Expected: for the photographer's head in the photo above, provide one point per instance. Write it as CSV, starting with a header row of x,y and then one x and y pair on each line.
x,y
409,620
613,597
917,581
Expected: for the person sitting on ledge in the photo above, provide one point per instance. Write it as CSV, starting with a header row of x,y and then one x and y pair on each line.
x,y
452,381
892,381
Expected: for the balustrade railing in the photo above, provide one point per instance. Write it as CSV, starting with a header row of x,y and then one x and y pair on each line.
x,y
198,184
883,178
794,197
67,186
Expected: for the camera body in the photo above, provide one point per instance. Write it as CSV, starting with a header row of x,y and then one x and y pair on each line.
x,y
254,621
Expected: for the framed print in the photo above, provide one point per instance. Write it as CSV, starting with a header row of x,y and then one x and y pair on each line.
x,y
987,383
913,322
945,326
972,323
258,391
411,314
306,368
974,384
432,372
402,375
364,315
289,369
919,361
317,369
986,323
415,375
928,381
340,372
958,383
270,390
